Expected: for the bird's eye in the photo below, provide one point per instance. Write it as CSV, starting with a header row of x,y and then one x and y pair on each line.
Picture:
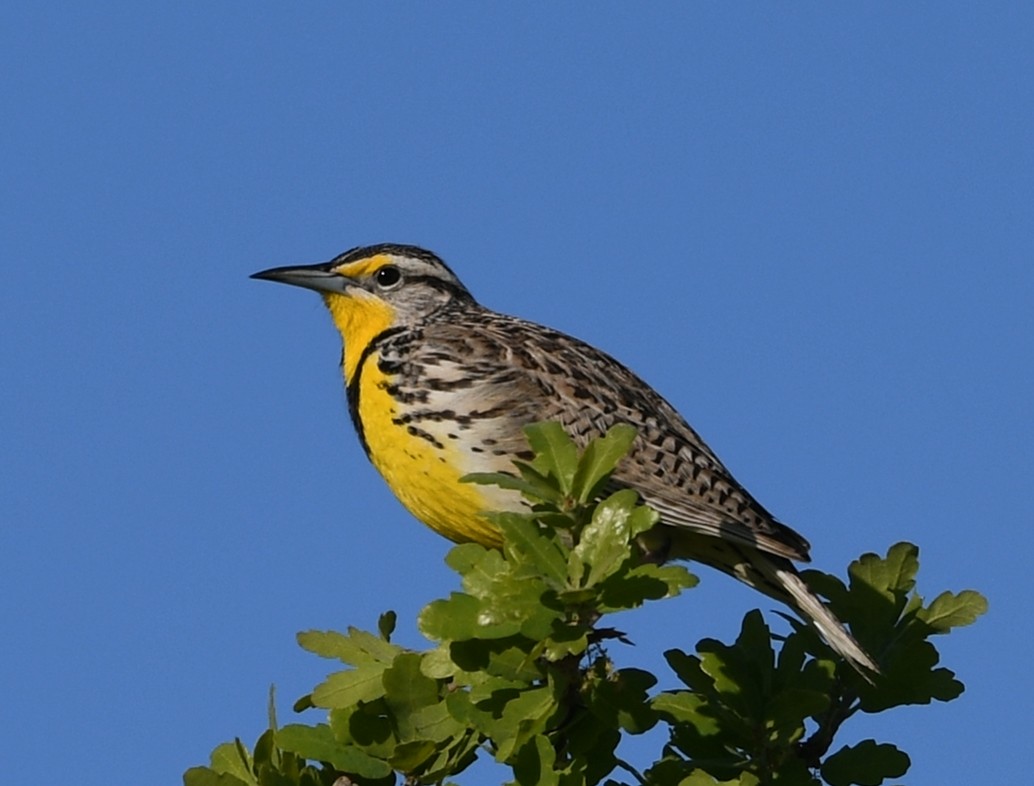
x,y
388,277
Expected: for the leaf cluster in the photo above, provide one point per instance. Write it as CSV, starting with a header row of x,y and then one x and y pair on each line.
x,y
753,714
519,668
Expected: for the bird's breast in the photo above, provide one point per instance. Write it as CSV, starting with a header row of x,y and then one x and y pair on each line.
x,y
422,445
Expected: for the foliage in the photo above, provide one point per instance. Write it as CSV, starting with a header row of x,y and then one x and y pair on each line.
x,y
519,668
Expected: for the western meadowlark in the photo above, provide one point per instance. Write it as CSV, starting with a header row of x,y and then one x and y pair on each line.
x,y
439,386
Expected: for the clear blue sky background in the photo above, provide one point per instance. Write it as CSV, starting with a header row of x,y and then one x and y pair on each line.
x,y
809,228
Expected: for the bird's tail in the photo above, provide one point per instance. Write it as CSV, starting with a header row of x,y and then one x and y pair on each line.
x,y
800,597
777,578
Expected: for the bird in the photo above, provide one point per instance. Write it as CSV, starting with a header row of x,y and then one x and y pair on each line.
x,y
439,387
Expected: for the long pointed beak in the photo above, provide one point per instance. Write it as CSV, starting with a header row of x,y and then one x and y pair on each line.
x,y
317,277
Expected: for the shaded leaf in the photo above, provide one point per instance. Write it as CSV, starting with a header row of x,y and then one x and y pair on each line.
x,y
642,583
266,753
866,764
407,690
683,707
624,697
535,764
788,708
909,677
366,726
408,756
893,574
386,624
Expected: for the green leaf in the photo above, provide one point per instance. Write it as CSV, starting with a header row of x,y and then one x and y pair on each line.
x,y
437,663
452,759
509,658
480,568
627,590
909,677
466,557
535,764
202,776
319,744
523,717
555,452
642,519
522,537
624,696
232,758
454,619
866,764
434,722
603,545
747,664
949,610
532,484
543,485
702,778
600,458
688,708
408,756
787,710
346,688
365,726
356,649
266,753
386,624
407,690
687,668
516,606
893,575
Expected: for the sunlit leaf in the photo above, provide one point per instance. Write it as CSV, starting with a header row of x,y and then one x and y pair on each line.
x,y
543,552
949,610
203,776
555,452
356,648
318,743
450,620
345,688
232,758
532,485
600,458
603,546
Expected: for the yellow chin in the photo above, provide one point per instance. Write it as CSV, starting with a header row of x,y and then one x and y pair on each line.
x,y
359,317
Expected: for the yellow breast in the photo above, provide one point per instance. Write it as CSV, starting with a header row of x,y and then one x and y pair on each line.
x,y
425,476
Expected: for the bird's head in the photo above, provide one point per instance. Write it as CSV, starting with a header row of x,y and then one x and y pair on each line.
x,y
371,289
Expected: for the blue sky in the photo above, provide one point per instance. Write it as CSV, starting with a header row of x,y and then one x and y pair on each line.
x,y
810,228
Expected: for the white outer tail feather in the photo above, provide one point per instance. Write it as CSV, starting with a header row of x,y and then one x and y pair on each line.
x,y
832,629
